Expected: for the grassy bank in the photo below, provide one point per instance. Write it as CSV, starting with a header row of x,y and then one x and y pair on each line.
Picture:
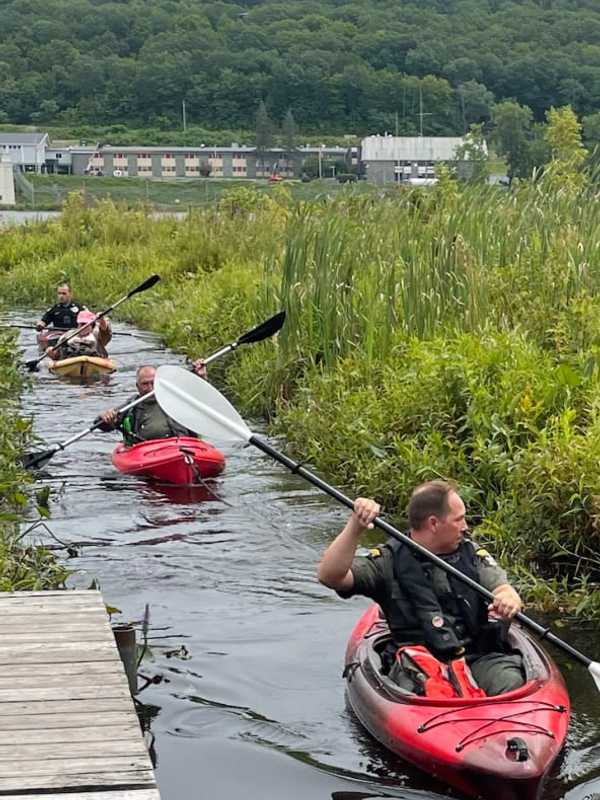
x,y
21,567
446,332
49,192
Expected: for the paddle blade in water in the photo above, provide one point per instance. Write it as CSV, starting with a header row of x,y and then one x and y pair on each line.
x,y
195,404
147,284
37,460
594,668
263,331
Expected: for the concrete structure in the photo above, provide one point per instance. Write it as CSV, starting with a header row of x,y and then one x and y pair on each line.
x,y
411,159
7,182
27,151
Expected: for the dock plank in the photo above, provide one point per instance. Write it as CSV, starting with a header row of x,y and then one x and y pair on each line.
x,y
16,722
93,781
68,729
112,733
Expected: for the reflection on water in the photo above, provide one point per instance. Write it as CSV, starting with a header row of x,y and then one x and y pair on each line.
x,y
247,646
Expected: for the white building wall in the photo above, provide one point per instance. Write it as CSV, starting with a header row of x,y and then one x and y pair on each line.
x,y
7,182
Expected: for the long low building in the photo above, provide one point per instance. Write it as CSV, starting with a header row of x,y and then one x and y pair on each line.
x,y
237,161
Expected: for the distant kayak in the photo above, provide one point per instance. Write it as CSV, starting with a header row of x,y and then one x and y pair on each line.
x,y
498,747
178,460
82,367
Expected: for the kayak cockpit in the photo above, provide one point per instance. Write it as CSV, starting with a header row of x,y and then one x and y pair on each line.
x,y
376,639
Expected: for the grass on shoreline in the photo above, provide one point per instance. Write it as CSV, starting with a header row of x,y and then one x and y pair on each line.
x,y
51,191
450,332
22,567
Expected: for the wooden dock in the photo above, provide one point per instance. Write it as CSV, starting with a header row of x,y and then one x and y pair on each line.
x,y
68,728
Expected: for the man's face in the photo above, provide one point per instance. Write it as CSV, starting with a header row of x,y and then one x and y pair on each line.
x,y
145,380
450,530
64,295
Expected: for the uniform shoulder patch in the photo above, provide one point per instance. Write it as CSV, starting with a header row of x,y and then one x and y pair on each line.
x,y
485,556
374,552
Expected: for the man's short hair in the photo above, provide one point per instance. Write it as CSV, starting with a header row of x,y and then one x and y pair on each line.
x,y
63,285
144,366
429,499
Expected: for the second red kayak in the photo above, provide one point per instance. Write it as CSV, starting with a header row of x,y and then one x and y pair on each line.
x,y
498,747
178,460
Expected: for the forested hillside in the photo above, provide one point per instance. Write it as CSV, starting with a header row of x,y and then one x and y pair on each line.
x,y
357,65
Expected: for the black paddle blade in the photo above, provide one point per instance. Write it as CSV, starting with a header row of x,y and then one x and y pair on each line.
x,y
147,284
32,366
263,331
37,460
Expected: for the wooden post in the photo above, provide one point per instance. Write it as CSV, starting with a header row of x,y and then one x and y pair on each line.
x,y
125,639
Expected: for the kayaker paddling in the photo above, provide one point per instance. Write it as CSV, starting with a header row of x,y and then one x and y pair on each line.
x,y
147,420
423,605
91,339
63,314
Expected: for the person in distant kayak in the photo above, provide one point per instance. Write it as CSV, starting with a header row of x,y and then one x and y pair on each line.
x,y
423,605
147,420
63,314
91,339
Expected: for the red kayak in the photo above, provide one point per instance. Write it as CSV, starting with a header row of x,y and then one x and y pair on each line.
x,y
500,747
179,460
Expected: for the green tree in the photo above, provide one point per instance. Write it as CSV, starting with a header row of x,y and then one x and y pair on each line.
x,y
476,103
512,131
591,136
568,155
289,134
264,132
474,153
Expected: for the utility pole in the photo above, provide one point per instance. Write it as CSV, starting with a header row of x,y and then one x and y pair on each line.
x,y
421,113
183,115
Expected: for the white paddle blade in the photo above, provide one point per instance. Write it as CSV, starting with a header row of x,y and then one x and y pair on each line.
x,y
594,668
195,404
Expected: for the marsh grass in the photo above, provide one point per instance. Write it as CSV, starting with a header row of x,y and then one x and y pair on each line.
x,y
22,567
446,332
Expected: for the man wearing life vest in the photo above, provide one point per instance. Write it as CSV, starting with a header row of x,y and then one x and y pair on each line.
x,y
430,612
147,420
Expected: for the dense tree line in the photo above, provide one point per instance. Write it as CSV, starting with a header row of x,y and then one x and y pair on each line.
x,y
338,65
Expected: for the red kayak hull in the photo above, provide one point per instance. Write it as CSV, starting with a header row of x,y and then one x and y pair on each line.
x,y
463,742
47,337
177,460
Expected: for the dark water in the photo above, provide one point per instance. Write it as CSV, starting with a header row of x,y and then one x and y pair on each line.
x,y
253,707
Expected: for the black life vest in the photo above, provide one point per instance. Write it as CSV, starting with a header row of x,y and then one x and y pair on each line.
x,y
432,607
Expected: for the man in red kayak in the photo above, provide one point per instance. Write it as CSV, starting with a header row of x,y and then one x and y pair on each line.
x,y
424,605
147,420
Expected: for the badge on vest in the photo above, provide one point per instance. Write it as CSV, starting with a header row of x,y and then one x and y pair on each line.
x,y
487,559
437,621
